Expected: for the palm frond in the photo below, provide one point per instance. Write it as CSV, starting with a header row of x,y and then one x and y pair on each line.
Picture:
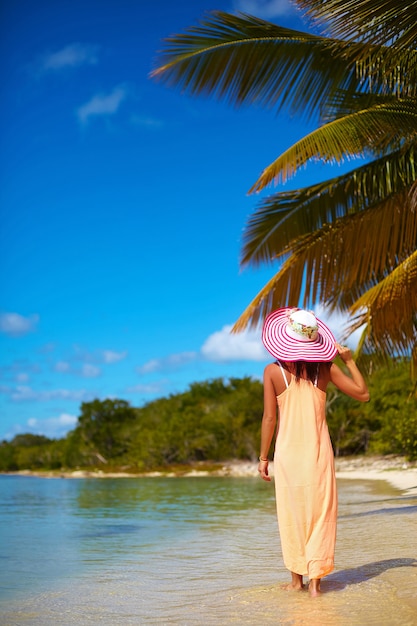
x,y
285,287
316,268
343,103
247,60
382,22
375,129
389,311
286,216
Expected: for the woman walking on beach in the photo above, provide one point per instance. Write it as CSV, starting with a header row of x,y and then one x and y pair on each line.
x,y
305,483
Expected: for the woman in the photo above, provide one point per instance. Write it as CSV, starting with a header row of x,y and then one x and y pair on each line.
x,y
305,482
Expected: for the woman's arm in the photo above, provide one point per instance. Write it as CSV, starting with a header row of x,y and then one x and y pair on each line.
x,y
353,385
269,421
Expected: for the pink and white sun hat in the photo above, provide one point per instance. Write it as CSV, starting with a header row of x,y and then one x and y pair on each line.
x,y
297,335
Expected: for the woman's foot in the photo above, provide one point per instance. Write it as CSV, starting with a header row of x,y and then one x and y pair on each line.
x,y
296,583
314,587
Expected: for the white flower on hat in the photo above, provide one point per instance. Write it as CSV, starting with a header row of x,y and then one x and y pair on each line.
x,y
302,325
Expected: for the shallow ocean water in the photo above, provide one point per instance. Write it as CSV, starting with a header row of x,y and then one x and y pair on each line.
x,y
193,551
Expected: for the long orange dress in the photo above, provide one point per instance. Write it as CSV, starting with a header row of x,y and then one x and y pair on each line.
x,y
305,482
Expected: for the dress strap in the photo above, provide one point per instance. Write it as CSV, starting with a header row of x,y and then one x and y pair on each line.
x,y
283,373
317,376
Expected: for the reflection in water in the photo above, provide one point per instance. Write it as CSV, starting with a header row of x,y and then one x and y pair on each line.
x,y
192,551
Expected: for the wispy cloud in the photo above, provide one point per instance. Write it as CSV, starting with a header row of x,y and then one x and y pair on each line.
x,y
224,346
151,388
20,370
145,121
171,362
102,104
109,356
73,55
266,9
16,325
47,348
87,370
63,367
52,427
90,362
90,371
22,377
24,393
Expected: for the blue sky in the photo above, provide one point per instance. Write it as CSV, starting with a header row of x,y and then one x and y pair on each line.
x,y
122,209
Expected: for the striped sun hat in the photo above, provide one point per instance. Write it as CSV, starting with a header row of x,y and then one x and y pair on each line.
x,y
297,335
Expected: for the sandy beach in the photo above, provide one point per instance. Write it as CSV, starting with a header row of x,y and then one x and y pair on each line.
x,y
396,470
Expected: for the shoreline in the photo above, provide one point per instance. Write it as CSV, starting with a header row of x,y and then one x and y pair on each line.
x,y
394,469
398,472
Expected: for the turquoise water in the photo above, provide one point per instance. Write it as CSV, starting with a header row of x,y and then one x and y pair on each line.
x,y
188,551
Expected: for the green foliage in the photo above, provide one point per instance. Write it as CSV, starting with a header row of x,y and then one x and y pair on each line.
x,y
28,451
395,408
349,430
214,421
385,425
103,427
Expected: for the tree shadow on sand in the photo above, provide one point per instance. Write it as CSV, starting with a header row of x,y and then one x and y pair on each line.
x,y
356,575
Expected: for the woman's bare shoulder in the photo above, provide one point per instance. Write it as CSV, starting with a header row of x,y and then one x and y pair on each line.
x,y
270,369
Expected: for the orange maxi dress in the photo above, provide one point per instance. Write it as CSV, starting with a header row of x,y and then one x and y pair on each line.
x,y
305,482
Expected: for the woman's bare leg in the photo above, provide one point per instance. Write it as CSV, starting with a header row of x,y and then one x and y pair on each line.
x,y
296,583
314,587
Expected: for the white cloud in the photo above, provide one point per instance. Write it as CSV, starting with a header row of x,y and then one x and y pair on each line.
x,y
22,377
47,348
24,393
174,361
226,346
19,371
62,366
90,362
73,55
97,356
87,370
53,427
90,371
16,325
109,356
152,388
265,9
337,322
144,121
222,346
102,104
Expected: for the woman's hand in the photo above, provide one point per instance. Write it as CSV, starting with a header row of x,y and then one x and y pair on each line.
x,y
344,352
353,385
263,470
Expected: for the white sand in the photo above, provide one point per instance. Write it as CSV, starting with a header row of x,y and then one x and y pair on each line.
x,y
395,470
405,480
400,473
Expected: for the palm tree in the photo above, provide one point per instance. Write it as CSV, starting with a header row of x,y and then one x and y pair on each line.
x,y
348,242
